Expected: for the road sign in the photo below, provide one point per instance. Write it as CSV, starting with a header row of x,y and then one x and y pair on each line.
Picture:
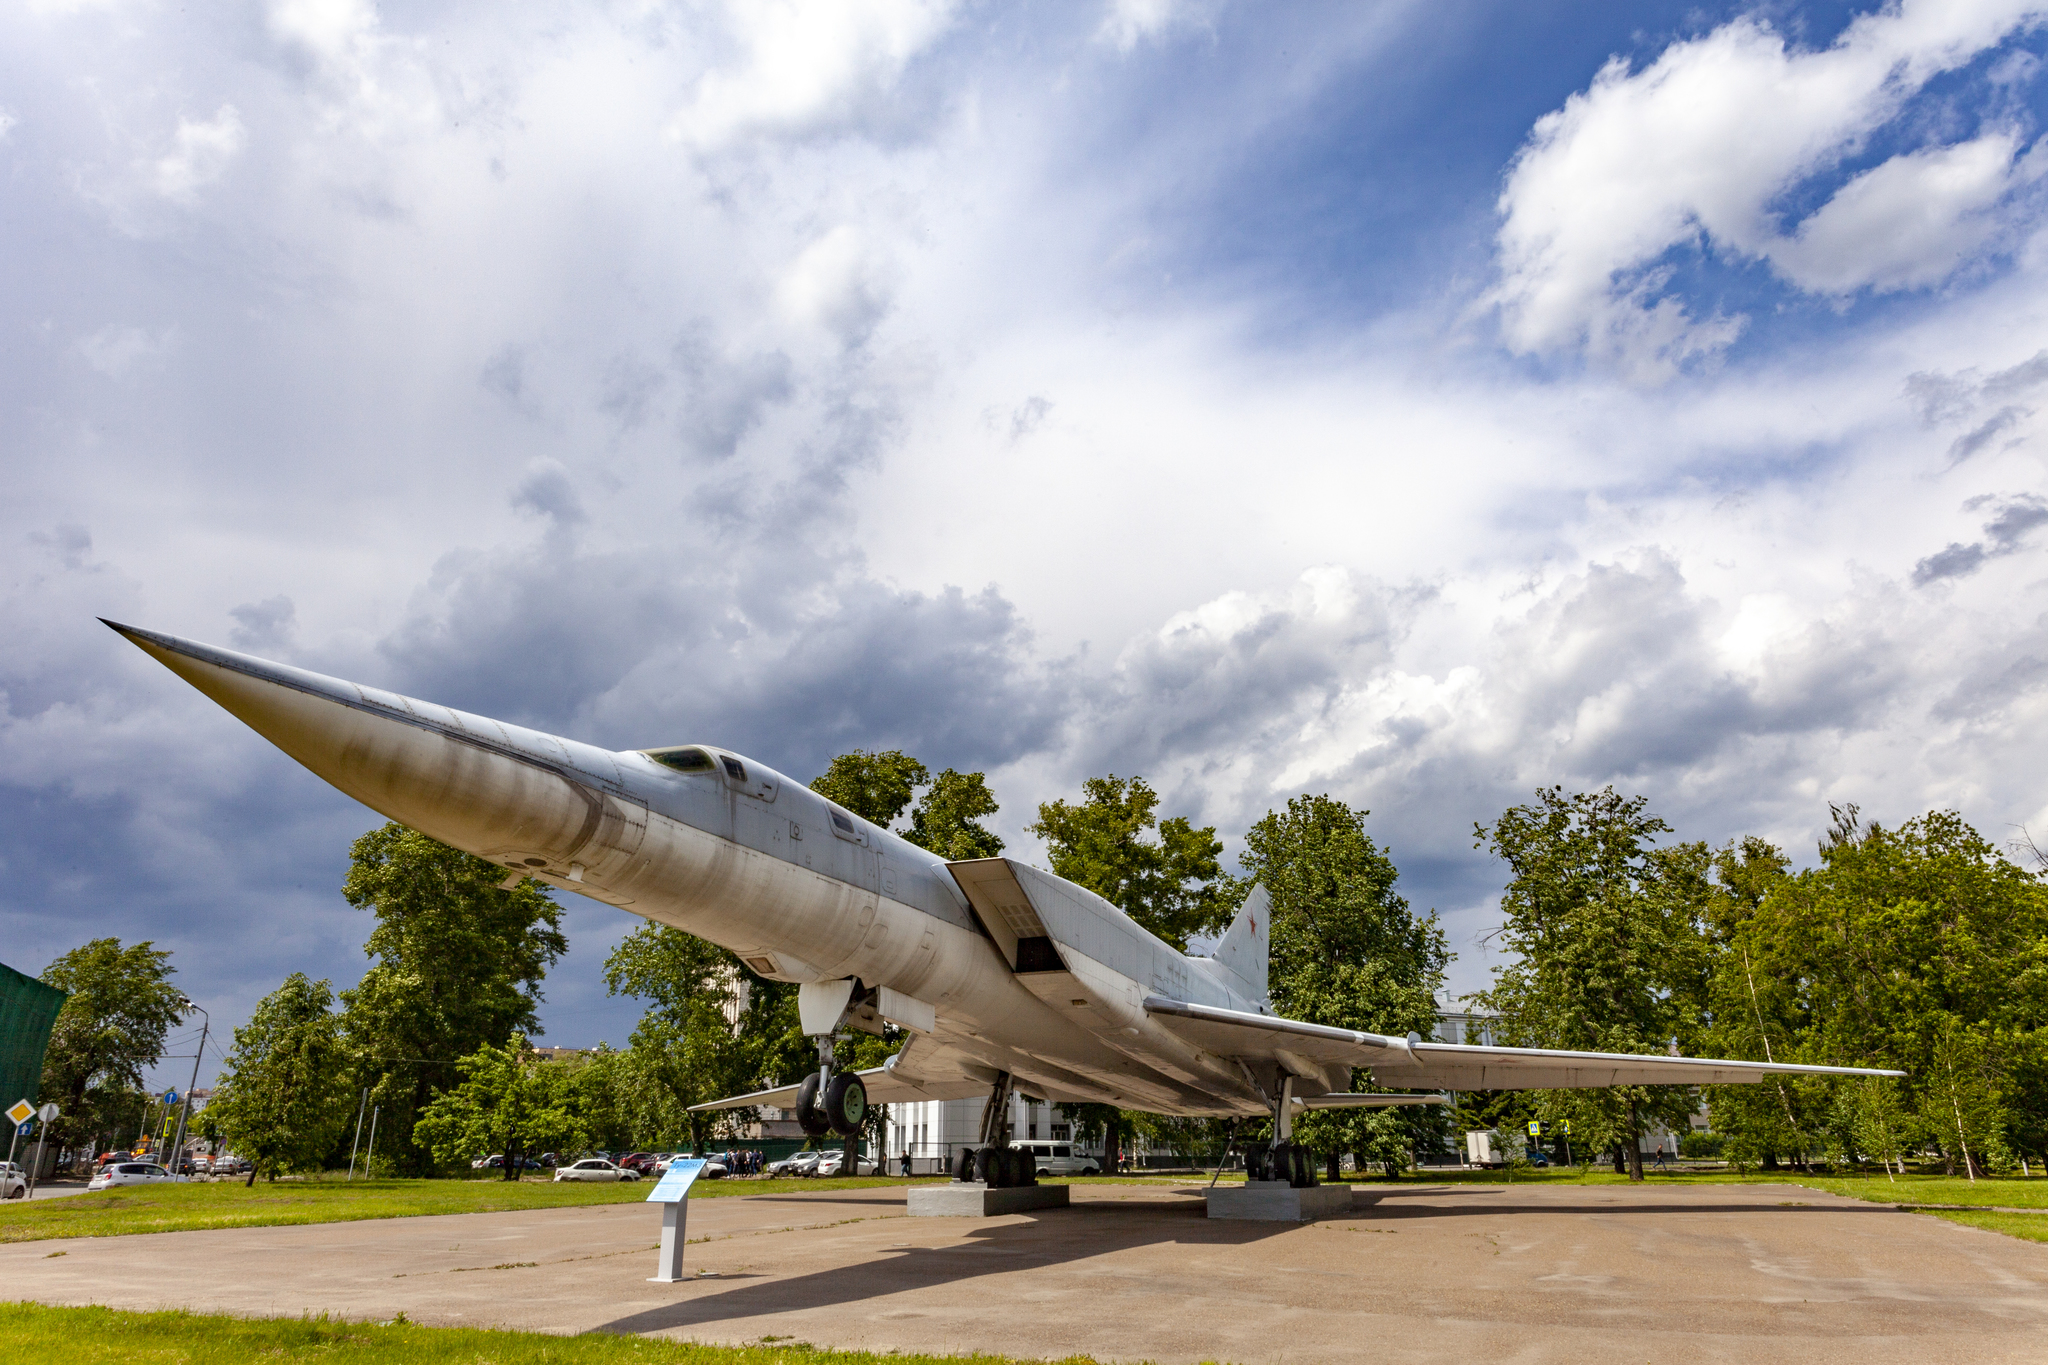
x,y
48,1113
22,1111
24,1130
1535,1128
170,1097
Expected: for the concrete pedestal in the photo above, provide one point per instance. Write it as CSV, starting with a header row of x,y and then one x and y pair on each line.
x,y
1275,1201
967,1199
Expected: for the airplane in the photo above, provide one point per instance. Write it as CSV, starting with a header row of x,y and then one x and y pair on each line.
x,y
1004,977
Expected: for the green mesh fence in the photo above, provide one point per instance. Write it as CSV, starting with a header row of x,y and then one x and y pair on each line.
x,y
27,1010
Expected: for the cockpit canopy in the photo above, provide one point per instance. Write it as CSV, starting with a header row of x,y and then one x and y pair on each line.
x,y
684,758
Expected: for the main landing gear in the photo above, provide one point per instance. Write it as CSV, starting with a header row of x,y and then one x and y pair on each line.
x,y
1283,1158
995,1163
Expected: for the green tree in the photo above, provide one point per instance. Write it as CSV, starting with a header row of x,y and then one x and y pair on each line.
x,y
875,786
1921,948
948,817
459,962
1347,951
108,1033
702,1037
508,1101
285,1099
879,786
1173,886
1606,933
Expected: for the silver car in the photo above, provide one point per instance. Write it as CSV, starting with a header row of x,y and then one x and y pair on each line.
x,y
594,1168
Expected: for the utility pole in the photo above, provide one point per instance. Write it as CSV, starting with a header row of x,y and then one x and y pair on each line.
x,y
371,1150
185,1110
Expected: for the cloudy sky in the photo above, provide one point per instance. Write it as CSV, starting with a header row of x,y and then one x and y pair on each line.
x,y
1417,403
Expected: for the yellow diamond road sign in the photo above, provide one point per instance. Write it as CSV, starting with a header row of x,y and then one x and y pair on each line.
x,y
22,1111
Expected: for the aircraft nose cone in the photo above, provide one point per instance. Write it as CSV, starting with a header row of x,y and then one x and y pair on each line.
x,y
478,784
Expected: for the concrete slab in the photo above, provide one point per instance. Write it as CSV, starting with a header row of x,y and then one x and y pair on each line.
x,y
1413,1273
1275,1201
970,1199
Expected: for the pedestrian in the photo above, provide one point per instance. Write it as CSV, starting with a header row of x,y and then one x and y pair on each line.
x,y
906,1161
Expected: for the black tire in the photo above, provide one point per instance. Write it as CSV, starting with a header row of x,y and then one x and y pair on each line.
x,y
808,1116
846,1104
1303,1161
988,1167
963,1165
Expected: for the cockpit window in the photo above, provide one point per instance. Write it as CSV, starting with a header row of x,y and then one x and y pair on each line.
x,y
683,758
734,769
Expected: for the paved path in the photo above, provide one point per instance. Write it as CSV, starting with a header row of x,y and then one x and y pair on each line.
x,y
1417,1273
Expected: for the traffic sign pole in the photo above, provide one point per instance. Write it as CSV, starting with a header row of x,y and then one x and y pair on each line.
x,y
46,1114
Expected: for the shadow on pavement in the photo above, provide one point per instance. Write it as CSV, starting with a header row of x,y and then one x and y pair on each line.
x,y
1054,1238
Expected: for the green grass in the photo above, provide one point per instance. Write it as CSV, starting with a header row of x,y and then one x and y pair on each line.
x,y
2032,1227
181,1208
103,1336
2009,1191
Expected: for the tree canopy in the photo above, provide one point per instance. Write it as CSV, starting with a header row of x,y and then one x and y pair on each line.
x,y
108,1033
1172,885
285,1101
508,1102
459,963
946,819
1347,951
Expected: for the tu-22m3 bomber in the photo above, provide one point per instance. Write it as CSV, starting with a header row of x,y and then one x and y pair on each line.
x,y
1004,976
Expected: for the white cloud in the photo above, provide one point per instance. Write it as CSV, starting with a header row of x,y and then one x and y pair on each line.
x,y
802,64
116,350
1699,145
1908,222
1126,23
200,154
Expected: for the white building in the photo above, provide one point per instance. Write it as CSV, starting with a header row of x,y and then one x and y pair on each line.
x,y
934,1131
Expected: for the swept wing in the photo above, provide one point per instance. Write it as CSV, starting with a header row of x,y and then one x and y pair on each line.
x,y
1413,1064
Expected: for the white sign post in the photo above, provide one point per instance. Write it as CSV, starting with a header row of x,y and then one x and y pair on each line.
x,y
672,1192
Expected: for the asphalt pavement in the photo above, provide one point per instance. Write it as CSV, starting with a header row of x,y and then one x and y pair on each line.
x,y
1412,1273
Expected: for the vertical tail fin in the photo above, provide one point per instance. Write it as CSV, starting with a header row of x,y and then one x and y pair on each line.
x,y
1242,951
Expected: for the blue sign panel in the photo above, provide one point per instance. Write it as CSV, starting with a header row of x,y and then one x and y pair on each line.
x,y
23,1131
674,1186
170,1097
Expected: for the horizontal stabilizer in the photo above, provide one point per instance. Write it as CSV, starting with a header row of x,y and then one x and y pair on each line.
x,y
1352,1101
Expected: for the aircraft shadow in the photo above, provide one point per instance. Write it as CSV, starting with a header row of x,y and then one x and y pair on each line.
x,y
1052,1238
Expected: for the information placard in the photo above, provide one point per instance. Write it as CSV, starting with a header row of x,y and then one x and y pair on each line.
x,y
674,1185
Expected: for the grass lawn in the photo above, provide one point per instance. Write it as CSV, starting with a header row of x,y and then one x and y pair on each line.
x,y
102,1336
179,1208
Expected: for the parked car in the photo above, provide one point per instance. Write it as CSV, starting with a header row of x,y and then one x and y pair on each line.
x,y
834,1163
13,1181
232,1165
803,1163
1060,1158
594,1168
643,1162
129,1173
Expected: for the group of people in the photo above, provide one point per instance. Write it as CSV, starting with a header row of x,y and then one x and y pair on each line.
x,y
742,1163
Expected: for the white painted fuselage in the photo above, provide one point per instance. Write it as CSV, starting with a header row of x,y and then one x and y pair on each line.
x,y
800,890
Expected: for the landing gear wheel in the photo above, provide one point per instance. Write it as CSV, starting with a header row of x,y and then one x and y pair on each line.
x,y
988,1167
808,1116
846,1103
963,1165
1304,1168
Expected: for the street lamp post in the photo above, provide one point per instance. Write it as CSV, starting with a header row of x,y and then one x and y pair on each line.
x,y
185,1110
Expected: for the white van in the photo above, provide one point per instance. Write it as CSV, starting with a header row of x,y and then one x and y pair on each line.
x,y
1059,1158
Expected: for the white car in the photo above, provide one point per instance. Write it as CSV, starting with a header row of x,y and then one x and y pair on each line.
x,y
13,1181
834,1163
1060,1158
594,1169
129,1173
